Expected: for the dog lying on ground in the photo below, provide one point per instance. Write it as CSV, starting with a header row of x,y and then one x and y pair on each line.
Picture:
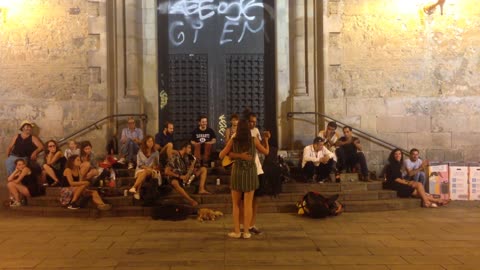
x,y
208,214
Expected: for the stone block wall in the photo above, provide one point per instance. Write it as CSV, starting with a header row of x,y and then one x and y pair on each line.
x,y
408,77
52,69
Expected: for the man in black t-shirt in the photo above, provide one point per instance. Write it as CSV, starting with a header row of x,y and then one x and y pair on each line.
x,y
203,138
349,153
164,142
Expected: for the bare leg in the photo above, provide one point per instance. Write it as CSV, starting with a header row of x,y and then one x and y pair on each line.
x,y
206,153
202,172
420,192
247,210
254,211
141,178
97,200
12,188
196,151
84,168
182,192
236,201
49,171
78,192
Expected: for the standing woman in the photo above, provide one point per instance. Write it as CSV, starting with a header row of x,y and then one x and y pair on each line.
x,y
229,132
244,178
54,163
88,169
77,188
406,188
20,181
24,145
147,164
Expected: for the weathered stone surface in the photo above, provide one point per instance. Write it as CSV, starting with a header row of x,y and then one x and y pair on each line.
x,y
430,140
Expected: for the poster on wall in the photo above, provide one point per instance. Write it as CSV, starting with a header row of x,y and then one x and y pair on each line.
x,y
474,181
458,176
438,183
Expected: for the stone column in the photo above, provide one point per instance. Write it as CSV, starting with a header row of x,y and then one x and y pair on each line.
x,y
299,48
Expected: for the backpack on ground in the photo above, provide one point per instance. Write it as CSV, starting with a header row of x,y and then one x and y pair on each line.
x,y
149,191
172,212
315,205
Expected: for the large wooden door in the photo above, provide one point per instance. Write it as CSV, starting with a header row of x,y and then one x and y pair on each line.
x,y
216,57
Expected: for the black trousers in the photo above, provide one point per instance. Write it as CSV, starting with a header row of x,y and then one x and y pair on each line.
x,y
323,170
349,161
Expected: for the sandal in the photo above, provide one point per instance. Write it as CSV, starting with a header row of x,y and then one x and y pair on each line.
x,y
429,205
54,184
234,235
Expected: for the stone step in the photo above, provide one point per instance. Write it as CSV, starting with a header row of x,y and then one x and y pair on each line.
x,y
52,200
225,207
291,187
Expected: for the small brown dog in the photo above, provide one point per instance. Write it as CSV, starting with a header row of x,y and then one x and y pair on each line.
x,y
208,214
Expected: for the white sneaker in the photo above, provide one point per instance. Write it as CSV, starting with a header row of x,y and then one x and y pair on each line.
x,y
15,204
132,190
130,166
121,161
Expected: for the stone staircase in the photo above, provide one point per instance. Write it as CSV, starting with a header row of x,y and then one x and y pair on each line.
x,y
356,197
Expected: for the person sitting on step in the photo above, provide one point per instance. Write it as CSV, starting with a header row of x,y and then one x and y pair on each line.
x,y
75,187
406,188
349,153
21,182
318,162
181,171
164,142
89,167
147,165
203,138
415,167
54,164
130,140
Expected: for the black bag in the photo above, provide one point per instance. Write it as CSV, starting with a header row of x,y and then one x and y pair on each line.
x,y
315,205
172,212
149,191
272,179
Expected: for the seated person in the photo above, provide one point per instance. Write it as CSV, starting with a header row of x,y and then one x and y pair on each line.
x,y
349,153
230,131
75,187
130,141
21,182
415,167
164,142
180,169
24,145
203,138
330,136
147,165
54,163
317,162
89,167
72,149
406,188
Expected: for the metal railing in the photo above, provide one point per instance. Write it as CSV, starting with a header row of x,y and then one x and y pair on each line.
x,y
358,131
143,117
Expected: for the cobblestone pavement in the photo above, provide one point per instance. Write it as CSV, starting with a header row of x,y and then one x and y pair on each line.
x,y
443,238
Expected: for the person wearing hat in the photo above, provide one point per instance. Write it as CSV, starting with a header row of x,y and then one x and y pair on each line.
x,y
24,145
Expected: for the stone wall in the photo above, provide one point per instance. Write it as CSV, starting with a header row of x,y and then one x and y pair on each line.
x,y
408,77
51,70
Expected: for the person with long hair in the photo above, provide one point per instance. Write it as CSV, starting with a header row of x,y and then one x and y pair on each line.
x,y
54,163
406,188
88,168
243,148
18,182
77,187
147,164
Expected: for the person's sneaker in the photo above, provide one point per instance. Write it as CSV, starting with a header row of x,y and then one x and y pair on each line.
x,y
23,201
130,165
132,190
121,161
136,196
15,204
104,207
73,206
255,230
246,235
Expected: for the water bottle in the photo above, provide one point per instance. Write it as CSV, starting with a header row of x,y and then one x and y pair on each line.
x,y
218,181
190,180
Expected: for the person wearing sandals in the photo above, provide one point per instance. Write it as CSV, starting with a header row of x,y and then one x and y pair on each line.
x,y
244,179
54,163
147,164
88,168
19,181
77,188
181,171
406,188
